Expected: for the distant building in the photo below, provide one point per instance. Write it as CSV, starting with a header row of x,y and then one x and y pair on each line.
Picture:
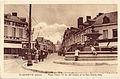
x,y
58,46
14,33
104,23
46,44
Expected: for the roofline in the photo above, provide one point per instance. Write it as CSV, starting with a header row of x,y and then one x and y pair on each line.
x,y
109,24
15,21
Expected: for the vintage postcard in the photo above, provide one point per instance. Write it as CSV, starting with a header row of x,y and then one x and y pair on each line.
x,y
53,40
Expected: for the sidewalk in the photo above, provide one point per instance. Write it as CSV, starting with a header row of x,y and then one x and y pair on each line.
x,y
57,64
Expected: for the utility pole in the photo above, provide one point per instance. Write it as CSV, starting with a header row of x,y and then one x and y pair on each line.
x,y
29,63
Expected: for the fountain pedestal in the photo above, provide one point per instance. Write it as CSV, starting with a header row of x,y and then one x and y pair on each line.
x,y
92,37
87,55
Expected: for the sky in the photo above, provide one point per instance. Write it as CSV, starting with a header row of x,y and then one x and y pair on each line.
x,y
51,20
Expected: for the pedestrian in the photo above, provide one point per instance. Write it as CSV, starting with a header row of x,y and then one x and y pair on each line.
x,y
93,50
59,53
39,53
65,50
26,57
46,54
42,55
77,51
36,56
24,54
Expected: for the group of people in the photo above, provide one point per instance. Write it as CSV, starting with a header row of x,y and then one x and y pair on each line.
x,y
40,55
77,51
61,53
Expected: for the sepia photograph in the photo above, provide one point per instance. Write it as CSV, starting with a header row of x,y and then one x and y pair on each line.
x,y
61,38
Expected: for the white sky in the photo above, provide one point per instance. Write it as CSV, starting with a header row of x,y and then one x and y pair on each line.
x,y
50,20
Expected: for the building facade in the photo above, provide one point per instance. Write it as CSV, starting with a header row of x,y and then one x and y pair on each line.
x,y
46,44
104,23
57,45
14,33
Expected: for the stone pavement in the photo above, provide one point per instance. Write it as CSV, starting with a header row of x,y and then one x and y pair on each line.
x,y
56,64
14,65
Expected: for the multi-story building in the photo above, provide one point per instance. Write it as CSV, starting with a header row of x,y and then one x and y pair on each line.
x,y
104,23
57,45
46,44
14,33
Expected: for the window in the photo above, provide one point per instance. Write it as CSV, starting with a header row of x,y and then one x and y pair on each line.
x,y
97,31
33,44
106,20
7,22
5,30
22,25
14,32
114,33
13,23
105,34
16,24
5,16
20,32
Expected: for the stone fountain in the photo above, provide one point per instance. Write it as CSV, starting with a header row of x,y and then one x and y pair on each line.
x,y
92,37
86,54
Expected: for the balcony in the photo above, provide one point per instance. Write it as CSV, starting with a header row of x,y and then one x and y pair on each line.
x,y
15,25
13,38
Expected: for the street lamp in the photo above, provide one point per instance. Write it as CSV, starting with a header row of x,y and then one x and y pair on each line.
x,y
29,63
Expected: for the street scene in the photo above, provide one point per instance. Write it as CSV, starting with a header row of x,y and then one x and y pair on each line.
x,y
60,38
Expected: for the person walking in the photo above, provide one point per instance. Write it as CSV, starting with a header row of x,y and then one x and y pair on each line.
x,y
46,54
77,51
39,58
36,56
42,55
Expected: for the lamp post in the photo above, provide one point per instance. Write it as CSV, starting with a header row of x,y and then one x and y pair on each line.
x,y
29,63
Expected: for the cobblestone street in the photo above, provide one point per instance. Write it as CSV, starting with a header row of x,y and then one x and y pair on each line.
x,y
15,66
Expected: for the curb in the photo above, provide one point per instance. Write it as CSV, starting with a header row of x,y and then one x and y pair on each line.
x,y
84,63
41,71
34,70
31,68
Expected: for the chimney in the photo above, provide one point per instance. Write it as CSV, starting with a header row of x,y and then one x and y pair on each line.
x,y
71,28
100,14
67,28
87,18
23,19
14,13
8,16
80,21
97,16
